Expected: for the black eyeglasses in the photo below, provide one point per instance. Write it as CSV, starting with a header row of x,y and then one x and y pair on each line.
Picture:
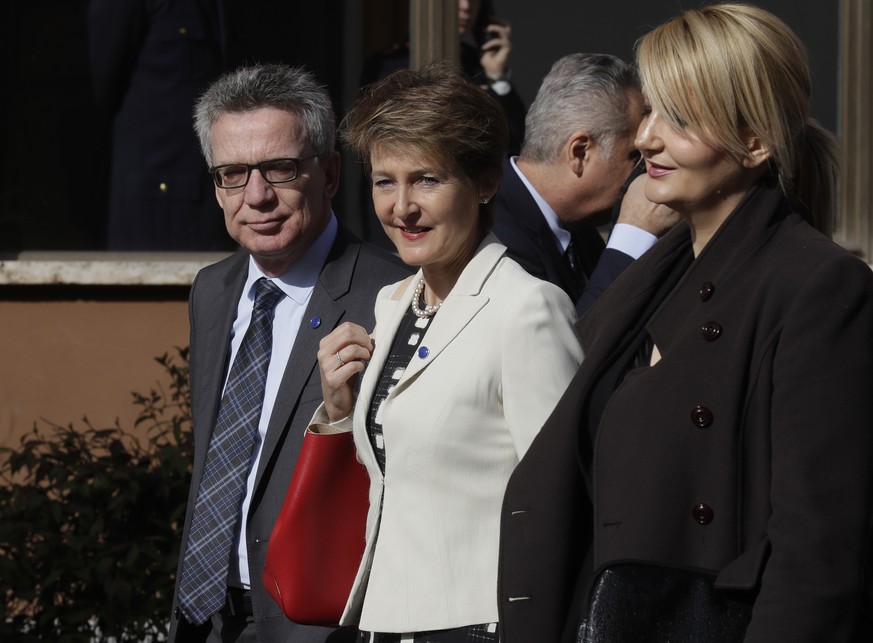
x,y
236,175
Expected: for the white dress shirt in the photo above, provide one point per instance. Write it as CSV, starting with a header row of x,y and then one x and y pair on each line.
x,y
626,238
297,283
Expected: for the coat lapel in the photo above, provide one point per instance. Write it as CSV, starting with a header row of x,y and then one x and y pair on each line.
x,y
627,305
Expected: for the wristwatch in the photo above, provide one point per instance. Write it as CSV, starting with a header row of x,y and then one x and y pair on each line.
x,y
500,86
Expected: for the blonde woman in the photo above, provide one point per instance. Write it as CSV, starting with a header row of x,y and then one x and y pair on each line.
x,y
708,475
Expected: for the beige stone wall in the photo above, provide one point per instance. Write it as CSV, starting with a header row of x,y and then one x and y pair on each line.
x,y
79,333
62,360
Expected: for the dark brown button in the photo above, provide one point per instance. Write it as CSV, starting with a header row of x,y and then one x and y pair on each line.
x,y
702,513
711,331
701,416
706,291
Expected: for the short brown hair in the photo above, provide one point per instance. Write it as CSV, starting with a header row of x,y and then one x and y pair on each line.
x,y
437,114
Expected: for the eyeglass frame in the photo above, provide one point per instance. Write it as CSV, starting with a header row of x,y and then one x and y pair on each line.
x,y
257,166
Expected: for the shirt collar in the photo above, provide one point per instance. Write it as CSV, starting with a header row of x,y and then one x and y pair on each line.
x,y
297,282
562,236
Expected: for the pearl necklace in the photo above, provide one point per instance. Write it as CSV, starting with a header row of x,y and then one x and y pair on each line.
x,y
429,311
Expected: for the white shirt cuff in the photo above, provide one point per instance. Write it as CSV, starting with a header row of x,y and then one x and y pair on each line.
x,y
630,240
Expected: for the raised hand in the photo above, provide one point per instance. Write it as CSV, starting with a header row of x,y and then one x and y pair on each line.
x,y
342,355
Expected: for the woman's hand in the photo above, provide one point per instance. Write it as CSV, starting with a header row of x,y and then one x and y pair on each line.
x,y
495,50
341,356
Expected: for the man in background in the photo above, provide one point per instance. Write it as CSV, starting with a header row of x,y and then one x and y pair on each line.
x,y
149,60
577,158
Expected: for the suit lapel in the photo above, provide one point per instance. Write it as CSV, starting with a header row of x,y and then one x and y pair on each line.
x,y
333,282
459,308
518,200
389,313
454,315
214,344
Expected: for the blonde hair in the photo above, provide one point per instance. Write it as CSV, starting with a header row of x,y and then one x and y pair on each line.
x,y
731,71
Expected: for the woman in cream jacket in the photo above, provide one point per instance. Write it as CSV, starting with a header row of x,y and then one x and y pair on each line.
x,y
467,360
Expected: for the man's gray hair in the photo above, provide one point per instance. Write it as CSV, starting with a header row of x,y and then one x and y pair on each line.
x,y
581,92
247,89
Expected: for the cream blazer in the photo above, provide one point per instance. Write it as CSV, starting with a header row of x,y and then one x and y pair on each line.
x,y
501,351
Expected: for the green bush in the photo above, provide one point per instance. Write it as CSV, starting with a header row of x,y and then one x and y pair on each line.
x,y
91,520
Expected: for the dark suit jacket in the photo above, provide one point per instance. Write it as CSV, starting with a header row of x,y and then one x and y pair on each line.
x,y
150,60
760,408
520,225
345,291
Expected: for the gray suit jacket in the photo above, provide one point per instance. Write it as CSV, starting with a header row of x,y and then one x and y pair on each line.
x,y
345,291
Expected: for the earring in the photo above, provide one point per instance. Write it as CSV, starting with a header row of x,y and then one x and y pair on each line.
x,y
485,201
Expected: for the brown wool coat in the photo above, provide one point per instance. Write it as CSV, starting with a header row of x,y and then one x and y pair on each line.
x,y
784,463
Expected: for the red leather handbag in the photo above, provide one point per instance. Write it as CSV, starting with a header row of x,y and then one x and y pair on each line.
x,y
318,540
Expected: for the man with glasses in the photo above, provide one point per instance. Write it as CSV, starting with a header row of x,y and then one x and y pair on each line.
x,y
577,153
267,133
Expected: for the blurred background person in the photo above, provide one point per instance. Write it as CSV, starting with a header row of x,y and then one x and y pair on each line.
x,y
150,60
708,475
486,44
467,359
485,48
